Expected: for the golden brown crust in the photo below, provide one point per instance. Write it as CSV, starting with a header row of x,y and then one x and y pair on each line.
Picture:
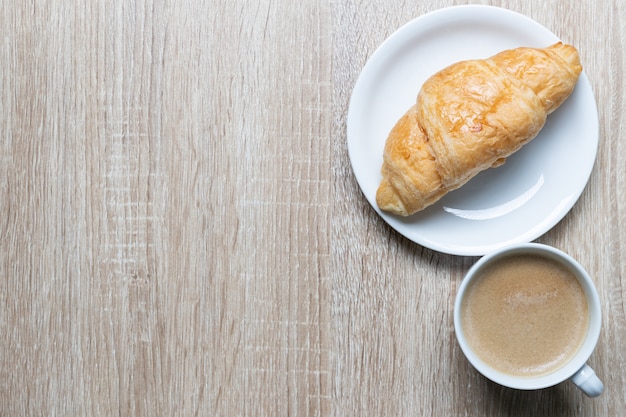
x,y
469,117
550,72
407,150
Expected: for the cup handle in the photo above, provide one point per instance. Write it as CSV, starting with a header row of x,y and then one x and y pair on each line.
x,y
587,380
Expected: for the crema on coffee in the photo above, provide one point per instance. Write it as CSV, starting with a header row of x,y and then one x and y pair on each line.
x,y
525,315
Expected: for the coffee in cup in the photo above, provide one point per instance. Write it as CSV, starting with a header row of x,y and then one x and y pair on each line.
x,y
528,317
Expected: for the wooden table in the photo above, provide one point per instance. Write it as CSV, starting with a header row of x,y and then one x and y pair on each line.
x,y
182,233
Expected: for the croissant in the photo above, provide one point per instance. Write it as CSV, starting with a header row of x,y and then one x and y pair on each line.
x,y
469,117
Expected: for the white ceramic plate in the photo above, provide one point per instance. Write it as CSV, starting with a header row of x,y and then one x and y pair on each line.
x,y
514,203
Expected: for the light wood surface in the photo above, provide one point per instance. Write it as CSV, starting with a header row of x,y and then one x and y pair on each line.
x,y
182,234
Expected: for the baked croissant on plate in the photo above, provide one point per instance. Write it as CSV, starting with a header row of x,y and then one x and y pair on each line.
x,y
469,117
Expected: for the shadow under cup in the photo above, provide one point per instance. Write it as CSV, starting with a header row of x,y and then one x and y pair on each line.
x,y
575,367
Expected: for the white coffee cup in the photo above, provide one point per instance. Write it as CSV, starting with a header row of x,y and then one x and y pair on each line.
x,y
576,368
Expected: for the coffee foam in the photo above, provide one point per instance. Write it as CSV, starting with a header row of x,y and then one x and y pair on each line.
x,y
525,315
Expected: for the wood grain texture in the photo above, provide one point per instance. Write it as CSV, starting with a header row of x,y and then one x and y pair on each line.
x,y
181,232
